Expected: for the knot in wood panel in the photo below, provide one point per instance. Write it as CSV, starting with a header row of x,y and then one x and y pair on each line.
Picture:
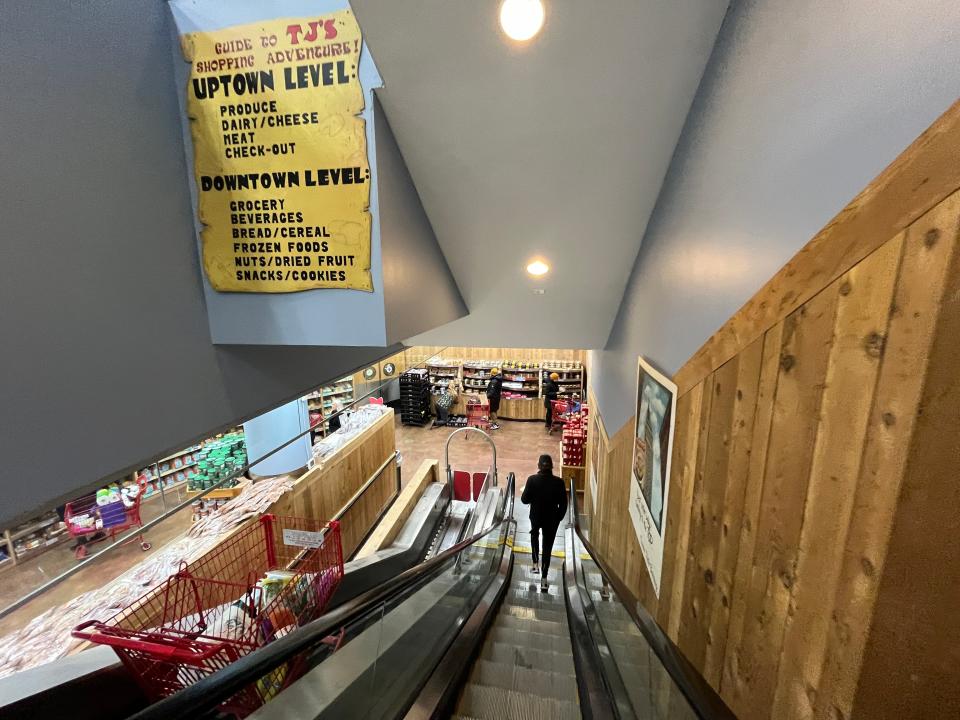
x,y
930,239
873,344
787,362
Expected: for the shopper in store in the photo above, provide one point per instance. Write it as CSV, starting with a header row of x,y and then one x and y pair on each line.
x,y
547,497
336,408
494,389
445,401
551,391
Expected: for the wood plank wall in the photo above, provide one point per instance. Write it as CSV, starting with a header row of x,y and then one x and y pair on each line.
x,y
812,561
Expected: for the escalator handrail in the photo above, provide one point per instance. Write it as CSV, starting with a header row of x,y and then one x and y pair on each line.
x,y
592,688
211,691
704,700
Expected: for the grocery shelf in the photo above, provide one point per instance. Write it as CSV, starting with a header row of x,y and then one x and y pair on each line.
x,y
34,527
174,471
40,549
179,454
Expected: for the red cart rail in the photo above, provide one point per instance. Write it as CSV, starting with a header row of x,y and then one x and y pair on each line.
x,y
260,584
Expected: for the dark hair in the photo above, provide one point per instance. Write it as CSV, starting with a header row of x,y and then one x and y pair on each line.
x,y
545,462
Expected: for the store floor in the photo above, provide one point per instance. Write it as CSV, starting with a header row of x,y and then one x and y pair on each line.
x,y
19,580
519,444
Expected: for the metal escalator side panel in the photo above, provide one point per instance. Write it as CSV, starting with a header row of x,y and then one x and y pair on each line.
x,y
692,696
440,690
595,694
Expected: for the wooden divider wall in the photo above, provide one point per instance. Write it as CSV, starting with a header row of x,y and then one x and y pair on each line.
x,y
318,494
321,492
812,559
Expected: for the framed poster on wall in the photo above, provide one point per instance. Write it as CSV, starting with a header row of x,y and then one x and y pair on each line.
x,y
650,473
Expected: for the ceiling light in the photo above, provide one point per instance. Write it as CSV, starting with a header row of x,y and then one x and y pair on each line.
x,y
538,268
521,19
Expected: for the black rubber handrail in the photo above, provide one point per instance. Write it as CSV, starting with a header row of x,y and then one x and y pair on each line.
x,y
592,688
211,691
703,699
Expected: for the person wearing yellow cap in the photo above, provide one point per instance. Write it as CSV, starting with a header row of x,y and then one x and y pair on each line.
x,y
551,391
494,388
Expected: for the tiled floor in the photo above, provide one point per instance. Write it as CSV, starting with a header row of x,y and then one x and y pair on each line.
x,y
519,444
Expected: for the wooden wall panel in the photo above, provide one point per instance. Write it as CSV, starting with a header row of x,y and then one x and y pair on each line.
x,y
912,657
812,545
928,248
730,510
863,306
753,495
685,442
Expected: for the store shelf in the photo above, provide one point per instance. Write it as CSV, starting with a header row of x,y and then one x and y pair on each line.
x,y
156,493
338,393
40,549
34,528
186,451
174,471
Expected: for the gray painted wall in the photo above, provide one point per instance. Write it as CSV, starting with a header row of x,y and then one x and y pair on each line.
x,y
801,105
414,267
107,359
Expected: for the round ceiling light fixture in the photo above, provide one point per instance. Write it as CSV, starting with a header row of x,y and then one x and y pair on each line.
x,y
538,268
521,19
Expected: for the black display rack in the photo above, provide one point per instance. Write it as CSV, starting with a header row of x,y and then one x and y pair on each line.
x,y
415,397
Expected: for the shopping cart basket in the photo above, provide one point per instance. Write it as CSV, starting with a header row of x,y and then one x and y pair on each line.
x,y
86,519
272,576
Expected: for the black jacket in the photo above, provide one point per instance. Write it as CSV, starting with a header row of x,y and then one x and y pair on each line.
x,y
495,387
550,391
546,495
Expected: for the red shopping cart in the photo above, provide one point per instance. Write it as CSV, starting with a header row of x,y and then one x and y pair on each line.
x,y
266,580
86,519
559,409
478,414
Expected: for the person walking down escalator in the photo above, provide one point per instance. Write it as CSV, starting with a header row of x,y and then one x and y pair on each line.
x,y
494,388
546,495
551,391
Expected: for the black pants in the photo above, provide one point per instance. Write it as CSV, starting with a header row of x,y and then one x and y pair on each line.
x,y
549,535
549,414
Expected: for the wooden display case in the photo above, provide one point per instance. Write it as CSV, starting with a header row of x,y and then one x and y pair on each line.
x,y
573,473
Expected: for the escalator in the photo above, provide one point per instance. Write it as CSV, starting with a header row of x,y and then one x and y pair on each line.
x,y
469,634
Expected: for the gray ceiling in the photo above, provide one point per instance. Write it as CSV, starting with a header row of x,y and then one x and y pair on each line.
x,y
557,148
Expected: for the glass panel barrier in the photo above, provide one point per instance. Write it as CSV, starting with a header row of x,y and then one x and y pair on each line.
x,y
388,655
649,690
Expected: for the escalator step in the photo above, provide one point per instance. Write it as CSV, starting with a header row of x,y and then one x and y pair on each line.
x,y
556,685
530,613
545,627
490,703
493,674
528,658
535,640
